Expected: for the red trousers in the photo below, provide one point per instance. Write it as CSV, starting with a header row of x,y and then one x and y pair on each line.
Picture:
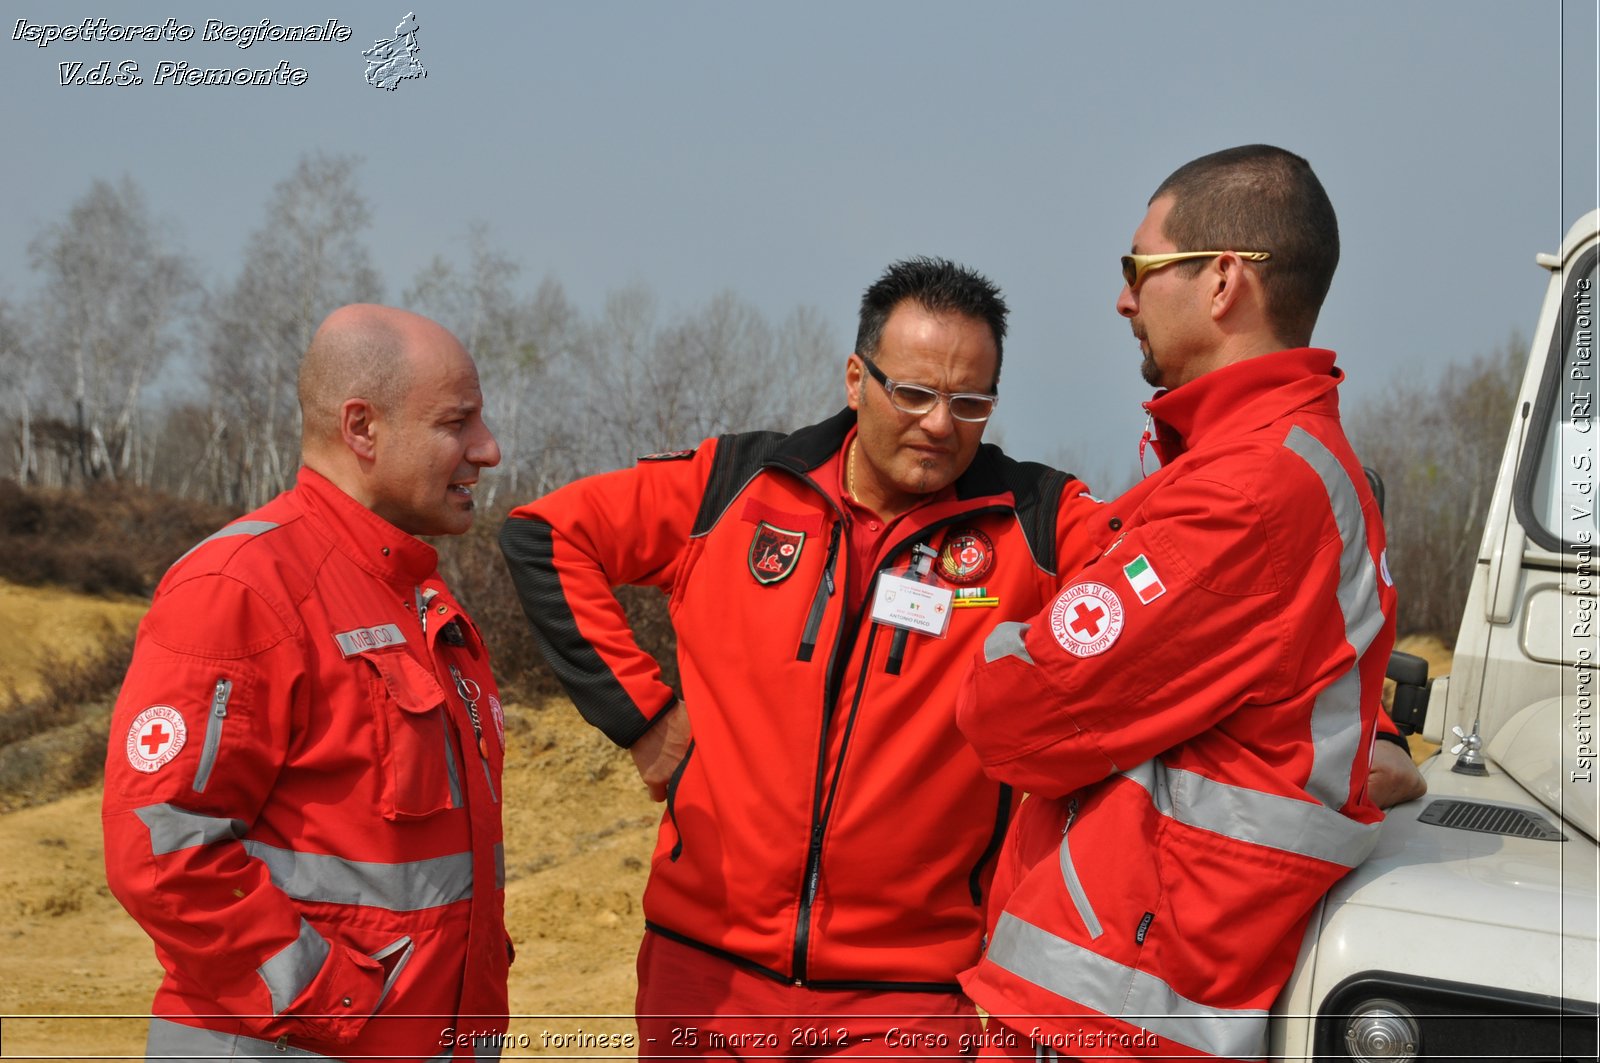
x,y
692,1004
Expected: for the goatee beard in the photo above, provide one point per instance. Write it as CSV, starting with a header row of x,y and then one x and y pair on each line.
x,y
1150,371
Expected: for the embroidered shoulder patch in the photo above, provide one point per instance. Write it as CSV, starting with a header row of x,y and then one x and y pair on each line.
x,y
156,736
774,552
1086,619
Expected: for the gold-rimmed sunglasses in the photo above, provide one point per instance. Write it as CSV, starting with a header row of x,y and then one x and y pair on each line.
x,y
1134,267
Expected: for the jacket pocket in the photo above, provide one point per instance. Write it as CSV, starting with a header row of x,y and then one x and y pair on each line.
x,y
394,958
672,801
415,743
1069,875
216,717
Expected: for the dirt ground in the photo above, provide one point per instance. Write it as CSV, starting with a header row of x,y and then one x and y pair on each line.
x,y
76,974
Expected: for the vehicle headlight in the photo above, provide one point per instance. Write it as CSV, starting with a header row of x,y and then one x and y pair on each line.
x,y
1382,1031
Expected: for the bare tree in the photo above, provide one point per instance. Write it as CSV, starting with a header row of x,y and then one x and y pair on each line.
x,y
105,318
523,346
720,369
18,376
1437,444
307,259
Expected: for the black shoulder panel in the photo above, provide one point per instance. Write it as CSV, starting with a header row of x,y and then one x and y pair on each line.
x,y
1037,490
739,457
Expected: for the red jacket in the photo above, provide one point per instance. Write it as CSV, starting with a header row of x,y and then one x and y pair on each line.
x,y
299,809
1194,713
829,825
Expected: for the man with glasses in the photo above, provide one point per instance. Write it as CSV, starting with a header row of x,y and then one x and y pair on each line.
x,y
1195,712
829,837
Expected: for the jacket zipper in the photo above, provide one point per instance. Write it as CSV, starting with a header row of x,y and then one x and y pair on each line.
x,y
820,811
819,603
214,721
1002,819
1069,873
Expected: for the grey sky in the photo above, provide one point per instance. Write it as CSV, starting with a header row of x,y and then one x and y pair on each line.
x,y
788,152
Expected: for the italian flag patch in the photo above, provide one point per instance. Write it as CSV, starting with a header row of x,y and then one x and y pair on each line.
x,y
1143,579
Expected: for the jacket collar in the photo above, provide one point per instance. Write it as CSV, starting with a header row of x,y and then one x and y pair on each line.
x,y
361,535
804,450
1240,398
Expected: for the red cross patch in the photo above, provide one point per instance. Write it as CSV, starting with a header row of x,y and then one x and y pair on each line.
x,y
967,557
1086,619
156,736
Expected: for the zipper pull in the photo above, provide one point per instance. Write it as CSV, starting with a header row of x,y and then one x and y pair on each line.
x,y
1144,440
219,699
423,598
1072,813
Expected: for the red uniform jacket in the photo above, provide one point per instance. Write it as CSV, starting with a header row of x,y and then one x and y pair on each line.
x,y
1194,713
302,793
829,826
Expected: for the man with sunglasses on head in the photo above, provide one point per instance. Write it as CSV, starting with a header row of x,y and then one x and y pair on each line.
x,y
1195,712
828,840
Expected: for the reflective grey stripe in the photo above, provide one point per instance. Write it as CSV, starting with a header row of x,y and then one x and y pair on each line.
x,y
169,1042
1336,716
405,887
1006,641
456,800
499,865
1115,989
289,972
243,527
1247,815
173,828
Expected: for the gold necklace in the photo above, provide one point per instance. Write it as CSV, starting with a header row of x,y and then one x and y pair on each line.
x,y
850,472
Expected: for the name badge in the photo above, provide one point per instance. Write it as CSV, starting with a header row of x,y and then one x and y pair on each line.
x,y
368,638
905,603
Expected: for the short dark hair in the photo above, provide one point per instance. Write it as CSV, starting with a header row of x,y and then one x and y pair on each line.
x,y
1260,198
939,286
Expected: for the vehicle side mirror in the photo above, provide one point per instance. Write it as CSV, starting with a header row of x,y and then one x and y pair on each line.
x,y
1410,675
1375,482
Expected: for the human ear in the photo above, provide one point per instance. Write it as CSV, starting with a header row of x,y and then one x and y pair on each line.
x,y
357,428
1229,282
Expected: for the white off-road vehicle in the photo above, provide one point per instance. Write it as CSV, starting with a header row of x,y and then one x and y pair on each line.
x,y
1470,932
